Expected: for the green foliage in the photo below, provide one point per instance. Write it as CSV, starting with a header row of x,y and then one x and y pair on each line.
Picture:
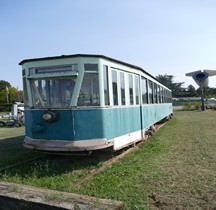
x,y
195,105
191,91
179,91
4,84
167,80
13,96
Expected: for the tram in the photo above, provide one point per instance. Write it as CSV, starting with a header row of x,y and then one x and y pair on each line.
x,y
84,102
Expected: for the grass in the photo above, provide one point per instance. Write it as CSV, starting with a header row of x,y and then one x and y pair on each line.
x,y
11,148
174,169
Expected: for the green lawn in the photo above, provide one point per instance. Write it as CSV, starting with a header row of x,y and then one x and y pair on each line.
x,y
174,169
11,148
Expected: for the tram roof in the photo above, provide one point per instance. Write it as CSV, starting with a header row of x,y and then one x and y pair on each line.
x,y
85,55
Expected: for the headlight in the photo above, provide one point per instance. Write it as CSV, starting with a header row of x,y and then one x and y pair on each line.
x,y
49,116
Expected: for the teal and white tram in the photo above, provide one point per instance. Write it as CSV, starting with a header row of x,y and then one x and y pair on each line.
x,y
87,102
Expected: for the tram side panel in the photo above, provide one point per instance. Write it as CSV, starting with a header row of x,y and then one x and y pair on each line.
x,y
122,125
152,114
88,124
95,128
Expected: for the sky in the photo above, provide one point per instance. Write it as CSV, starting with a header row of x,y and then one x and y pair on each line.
x,y
170,37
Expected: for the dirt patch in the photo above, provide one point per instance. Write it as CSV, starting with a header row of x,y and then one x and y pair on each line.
x,y
163,202
172,202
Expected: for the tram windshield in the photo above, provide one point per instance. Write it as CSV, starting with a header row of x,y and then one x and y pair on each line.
x,y
52,92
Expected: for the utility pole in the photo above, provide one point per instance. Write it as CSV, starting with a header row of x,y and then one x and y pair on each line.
x,y
7,97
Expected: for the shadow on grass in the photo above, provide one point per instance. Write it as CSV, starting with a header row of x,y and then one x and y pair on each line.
x,y
12,151
48,165
187,110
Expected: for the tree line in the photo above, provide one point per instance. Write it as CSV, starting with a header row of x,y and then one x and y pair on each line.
x,y
178,91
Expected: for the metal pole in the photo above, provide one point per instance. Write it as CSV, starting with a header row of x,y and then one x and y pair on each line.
x,y
7,98
202,99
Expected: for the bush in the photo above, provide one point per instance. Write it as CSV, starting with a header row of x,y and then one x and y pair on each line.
x,y
195,105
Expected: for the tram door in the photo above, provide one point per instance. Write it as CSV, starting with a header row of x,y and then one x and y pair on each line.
x,y
136,109
144,100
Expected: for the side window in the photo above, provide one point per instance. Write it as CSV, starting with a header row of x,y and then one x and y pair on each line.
x,y
89,92
131,89
122,79
137,89
150,91
159,96
115,87
155,93
170,97
162,95
144,91
106,85
167,96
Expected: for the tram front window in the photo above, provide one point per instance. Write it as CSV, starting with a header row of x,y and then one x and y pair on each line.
x,y
52,92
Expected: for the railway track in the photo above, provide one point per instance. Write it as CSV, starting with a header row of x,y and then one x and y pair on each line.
x,y
107,157
20,163
110,161
36,196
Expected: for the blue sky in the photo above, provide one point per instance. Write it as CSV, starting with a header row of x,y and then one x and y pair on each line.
x,y
162,36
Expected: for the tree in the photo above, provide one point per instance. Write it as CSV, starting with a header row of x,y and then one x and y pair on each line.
x,y
176,87
4,97
8,98
207,92
191,91
4,84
